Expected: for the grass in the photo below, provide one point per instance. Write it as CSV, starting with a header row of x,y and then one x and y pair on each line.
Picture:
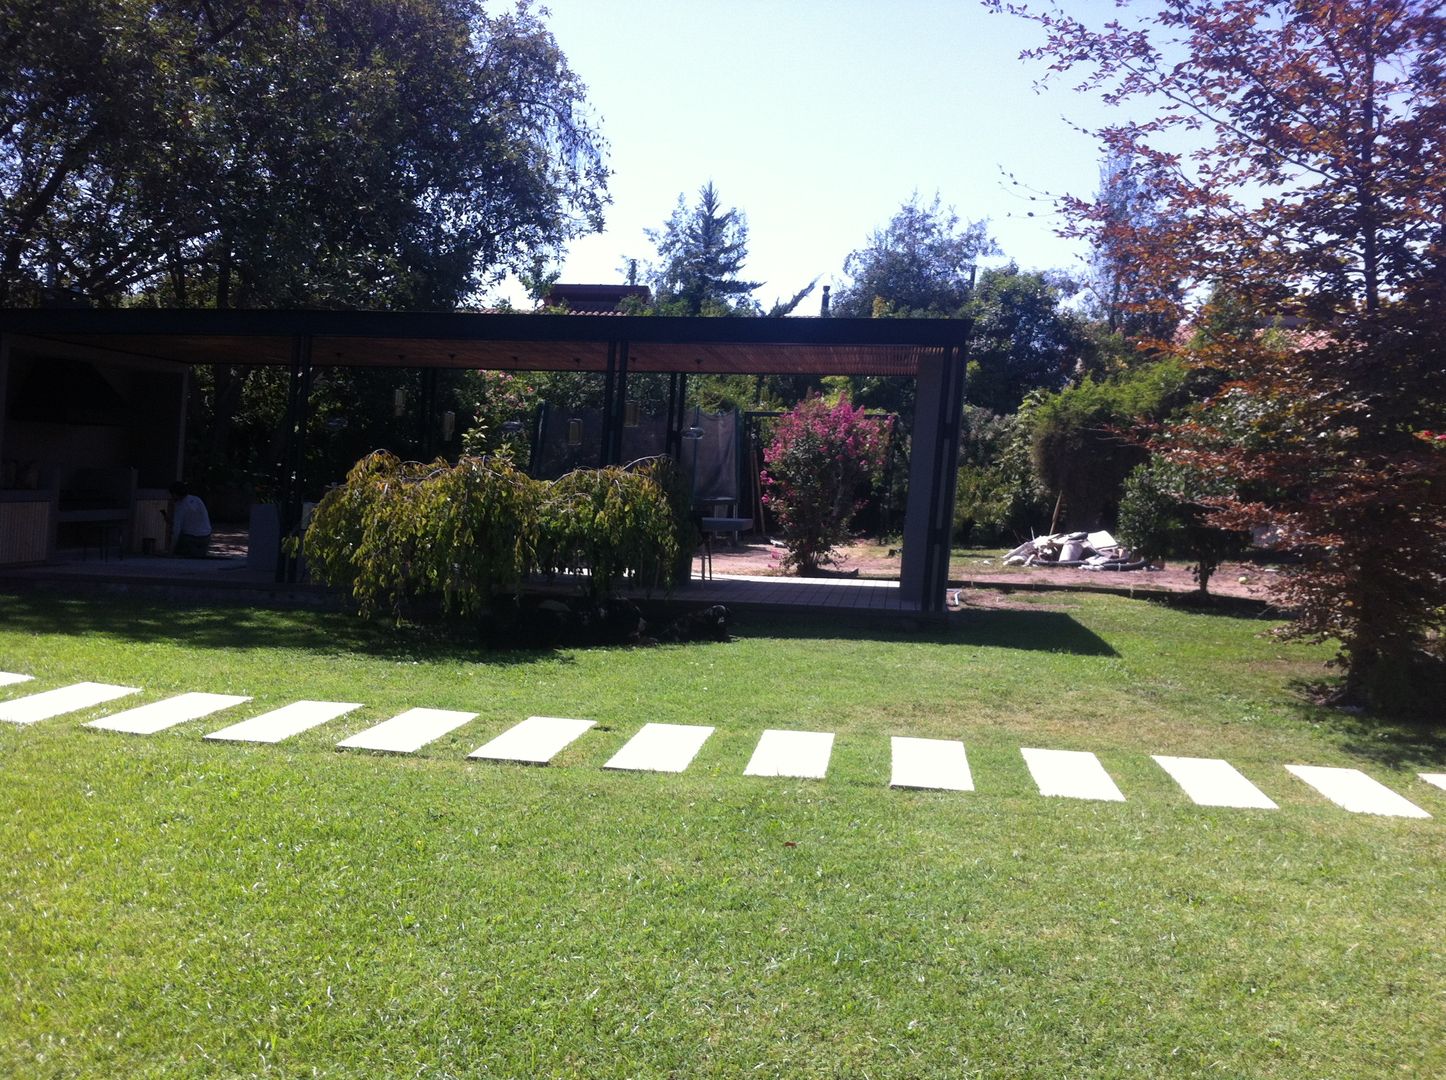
x,y
174,907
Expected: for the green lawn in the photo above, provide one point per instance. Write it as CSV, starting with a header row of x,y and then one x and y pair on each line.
x,y
174,907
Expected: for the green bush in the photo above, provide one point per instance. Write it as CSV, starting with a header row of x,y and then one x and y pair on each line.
x,y
611,522
401,535
1084,440
997,497
1165,510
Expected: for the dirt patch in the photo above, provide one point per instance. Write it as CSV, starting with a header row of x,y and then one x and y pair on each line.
x,y
1238,580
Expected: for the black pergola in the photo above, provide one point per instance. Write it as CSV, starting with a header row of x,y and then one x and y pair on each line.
x,y
931,351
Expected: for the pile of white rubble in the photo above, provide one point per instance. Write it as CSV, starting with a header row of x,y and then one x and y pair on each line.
x,y
1087,551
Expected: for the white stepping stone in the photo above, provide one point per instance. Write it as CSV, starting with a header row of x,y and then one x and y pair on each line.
x,y
1073,774
408,731
159,715
1213,782
9,678
938,764
1437,778
1356,792
282,723
34,707
801,754
535,741
661,748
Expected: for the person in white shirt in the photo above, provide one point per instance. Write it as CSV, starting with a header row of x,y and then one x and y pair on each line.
x,y
190,524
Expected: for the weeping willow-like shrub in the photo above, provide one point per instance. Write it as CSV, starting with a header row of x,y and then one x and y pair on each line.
x,y
370,535
484,527
612,522
399,534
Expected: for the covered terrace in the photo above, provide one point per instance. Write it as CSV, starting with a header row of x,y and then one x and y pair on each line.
x,y
931,351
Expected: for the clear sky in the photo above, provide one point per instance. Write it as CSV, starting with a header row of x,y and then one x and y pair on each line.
x,y
818,119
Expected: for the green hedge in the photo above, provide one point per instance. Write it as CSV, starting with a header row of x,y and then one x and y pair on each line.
x,y
400,536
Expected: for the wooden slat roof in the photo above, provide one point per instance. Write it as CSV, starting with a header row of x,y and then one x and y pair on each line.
x,y
501,341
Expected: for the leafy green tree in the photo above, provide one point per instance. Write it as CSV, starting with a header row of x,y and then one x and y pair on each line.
x,y
701,252
234,155
1165,510
998,497
1022,339
1085,439
921,263
228,154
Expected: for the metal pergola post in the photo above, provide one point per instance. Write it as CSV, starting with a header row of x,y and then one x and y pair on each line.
x,y
293,455
609,379
933,470
615,403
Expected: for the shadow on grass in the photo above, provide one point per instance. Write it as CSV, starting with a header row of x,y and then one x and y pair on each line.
x,y
1240,607
219,626
1395,742
1002,628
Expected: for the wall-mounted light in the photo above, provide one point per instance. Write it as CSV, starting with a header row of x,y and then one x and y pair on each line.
x,y
449,425
399,401
632,414
574,432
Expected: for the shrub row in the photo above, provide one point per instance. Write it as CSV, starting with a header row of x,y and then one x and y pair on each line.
x,y
401,536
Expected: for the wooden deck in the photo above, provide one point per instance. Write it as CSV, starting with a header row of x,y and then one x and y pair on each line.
x,y
230,578
794,594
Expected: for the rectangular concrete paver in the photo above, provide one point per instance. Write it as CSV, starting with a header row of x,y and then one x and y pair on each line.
x,y
159,715
938,764
1213,782
1356,792
1437,778
661,748
9,678
535,741
408,731
34,707
1073,774
282,723
802,754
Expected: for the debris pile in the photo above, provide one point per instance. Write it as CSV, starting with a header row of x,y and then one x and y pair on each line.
x,y
1087,551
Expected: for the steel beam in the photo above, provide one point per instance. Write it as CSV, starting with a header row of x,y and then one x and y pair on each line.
x,y
933,468
293,455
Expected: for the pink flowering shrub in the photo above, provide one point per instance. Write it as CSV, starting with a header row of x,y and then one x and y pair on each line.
x,y
819,467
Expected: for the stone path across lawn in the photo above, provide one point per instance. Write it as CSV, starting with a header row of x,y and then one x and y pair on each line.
x,y
535,741
409,731
661,748
1356,792
801,754
159,715
936,764
42,706
1073,774
9,678
282,723
1212,782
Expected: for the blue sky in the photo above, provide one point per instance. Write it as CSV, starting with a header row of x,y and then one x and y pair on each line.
x,y
818,120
